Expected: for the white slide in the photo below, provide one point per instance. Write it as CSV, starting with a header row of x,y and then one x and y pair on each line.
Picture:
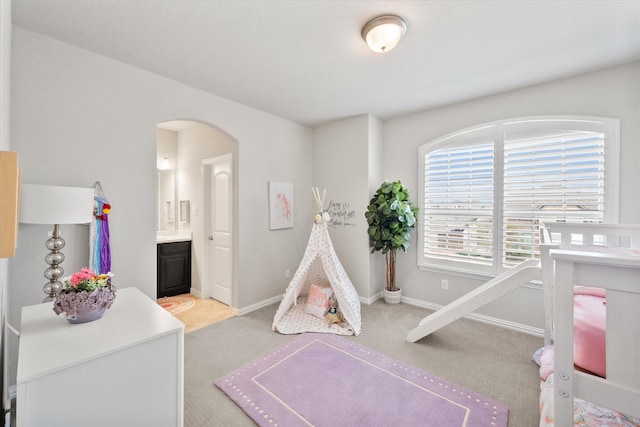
x,y
514,278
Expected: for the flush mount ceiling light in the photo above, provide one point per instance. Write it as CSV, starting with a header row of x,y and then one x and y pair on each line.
x,y
384,32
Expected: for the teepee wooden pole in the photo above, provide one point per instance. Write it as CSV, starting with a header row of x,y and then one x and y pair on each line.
x,y
316,195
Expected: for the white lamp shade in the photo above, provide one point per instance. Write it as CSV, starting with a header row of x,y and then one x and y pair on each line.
x,y
384,32
47,204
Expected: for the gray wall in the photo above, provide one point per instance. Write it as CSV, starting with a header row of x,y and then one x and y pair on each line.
x,y
341,166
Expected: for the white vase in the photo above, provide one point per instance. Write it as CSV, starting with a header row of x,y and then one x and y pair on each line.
x,y
392,297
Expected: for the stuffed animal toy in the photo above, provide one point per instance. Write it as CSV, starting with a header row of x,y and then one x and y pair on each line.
x,y
334,315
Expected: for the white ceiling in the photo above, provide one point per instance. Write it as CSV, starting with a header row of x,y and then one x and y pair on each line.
x,y
306,61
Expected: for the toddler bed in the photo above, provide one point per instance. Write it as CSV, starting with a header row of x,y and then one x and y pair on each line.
x,y
591,271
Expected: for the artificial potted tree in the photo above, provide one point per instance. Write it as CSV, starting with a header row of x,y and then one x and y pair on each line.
x,y
391,218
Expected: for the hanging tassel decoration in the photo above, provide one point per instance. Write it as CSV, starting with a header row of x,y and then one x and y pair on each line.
x,y
100,255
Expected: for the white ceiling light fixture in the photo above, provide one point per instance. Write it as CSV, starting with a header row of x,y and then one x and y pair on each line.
x,y
384,32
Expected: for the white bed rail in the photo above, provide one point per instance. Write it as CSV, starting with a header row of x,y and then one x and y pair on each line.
x,y
605,256
592,237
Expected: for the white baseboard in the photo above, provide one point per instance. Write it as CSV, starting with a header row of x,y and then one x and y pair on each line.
x,y
371,299
481,318
256,306
418,303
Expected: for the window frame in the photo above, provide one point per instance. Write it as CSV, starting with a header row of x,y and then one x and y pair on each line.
x,y
497,130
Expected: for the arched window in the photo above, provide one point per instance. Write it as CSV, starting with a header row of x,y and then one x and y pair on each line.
x,y
485,191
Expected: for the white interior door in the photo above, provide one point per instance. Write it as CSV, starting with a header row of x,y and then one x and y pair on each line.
x,y
220,239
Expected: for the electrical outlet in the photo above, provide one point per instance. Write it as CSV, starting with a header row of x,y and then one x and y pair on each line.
x,y
287,274
444,284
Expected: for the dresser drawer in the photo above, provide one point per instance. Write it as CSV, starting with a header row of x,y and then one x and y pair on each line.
x,y
171,248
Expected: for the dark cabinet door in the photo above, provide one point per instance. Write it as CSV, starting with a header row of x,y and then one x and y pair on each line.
x,y
174,268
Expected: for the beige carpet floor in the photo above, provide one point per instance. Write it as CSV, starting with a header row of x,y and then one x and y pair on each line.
x,y
489,360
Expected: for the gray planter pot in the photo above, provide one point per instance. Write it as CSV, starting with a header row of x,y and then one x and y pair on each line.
x,y
392,297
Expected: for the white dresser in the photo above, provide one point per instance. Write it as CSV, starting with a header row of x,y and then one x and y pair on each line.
x,y
126,369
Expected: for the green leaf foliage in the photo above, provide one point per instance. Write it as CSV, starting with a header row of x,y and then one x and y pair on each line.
x,y
391,218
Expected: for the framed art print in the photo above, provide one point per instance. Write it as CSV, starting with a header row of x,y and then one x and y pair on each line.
x,y
280,205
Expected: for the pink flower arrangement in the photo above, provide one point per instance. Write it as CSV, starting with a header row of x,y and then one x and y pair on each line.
x,y
85,296
87,280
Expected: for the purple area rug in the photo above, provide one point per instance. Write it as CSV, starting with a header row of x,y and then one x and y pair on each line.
x,y
326,380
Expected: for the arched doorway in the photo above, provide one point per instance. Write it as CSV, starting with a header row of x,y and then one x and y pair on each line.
x,y
187,147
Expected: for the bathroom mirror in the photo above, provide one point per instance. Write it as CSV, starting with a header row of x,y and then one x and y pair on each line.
x,y
167,208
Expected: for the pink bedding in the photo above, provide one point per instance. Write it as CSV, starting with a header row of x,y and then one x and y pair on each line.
x,y
589,305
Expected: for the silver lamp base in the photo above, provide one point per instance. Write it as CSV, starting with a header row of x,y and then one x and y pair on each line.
x,y
54,259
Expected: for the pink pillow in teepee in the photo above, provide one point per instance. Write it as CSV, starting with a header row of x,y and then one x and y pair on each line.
x,y
318,300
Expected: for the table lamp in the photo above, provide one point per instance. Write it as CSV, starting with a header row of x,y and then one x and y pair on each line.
x,y
47,204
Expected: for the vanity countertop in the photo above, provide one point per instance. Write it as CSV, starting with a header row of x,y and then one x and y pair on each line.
x,y
163,237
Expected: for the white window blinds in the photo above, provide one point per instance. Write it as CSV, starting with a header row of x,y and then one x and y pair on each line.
x,y
487,190
458,202
549,175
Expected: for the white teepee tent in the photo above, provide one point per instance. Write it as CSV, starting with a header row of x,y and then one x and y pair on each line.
x,y
320,264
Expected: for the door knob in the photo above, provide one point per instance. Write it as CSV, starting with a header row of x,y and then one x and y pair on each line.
x,y
210,237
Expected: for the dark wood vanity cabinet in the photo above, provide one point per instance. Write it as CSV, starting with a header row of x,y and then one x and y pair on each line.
x,y
174,268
